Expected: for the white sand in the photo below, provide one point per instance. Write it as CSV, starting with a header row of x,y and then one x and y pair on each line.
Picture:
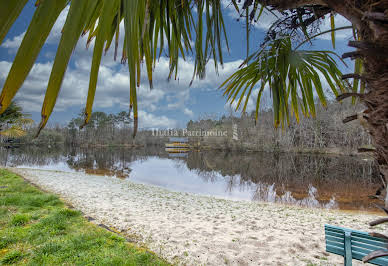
x,y
197,230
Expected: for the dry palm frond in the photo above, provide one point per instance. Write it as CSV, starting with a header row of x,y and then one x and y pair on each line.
x,y
14,131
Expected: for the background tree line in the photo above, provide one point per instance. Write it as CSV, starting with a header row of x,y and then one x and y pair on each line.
x,y
324,134
102,130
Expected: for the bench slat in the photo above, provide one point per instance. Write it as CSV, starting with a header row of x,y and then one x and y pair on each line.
x,y
334,228
335,250
378,244
366,246
367,236
342,229
335,239
334,234
361,250
336,244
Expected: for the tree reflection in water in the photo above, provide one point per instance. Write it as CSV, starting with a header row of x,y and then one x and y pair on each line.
x,y
306,180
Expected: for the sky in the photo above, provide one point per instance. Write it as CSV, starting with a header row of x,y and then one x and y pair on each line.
x,y
170,104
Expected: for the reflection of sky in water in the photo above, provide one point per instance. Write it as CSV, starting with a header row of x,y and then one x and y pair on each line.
x,y
176,176
165,173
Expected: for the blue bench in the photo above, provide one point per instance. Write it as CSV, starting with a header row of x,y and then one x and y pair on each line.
x,y
352,244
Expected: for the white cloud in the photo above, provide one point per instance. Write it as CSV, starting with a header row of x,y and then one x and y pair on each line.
x,y
14,43
4,69
54,36
56,31
188,112
148,120
31,94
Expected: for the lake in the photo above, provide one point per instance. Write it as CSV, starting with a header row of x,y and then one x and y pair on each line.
x,y
337,182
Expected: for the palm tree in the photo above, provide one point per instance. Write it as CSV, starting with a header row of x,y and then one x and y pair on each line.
x,y
292,75
13,121
155,26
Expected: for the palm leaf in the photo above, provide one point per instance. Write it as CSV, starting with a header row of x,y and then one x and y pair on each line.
x,y
332,25
70,34
42,22
14,131
9,11
147,24
109,11
292,75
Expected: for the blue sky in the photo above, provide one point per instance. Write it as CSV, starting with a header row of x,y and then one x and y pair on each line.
x,y
169,104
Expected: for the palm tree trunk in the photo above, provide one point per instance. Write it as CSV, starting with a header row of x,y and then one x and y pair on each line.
x,y
371,20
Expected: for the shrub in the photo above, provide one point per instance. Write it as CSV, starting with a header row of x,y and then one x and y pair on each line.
x,y
19,220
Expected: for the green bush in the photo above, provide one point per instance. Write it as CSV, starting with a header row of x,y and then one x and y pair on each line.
x,y
19,220
12,257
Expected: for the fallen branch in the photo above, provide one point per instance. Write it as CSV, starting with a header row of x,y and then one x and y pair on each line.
x,y
365,150
379,221
350,118
375,254
347,95
352,55
352,76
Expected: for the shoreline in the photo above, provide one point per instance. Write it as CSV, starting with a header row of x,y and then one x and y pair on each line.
x,y
209,147
194,229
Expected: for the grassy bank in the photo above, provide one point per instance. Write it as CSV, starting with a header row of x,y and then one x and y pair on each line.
x,y
38,229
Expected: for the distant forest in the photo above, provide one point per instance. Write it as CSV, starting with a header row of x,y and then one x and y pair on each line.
x,y
325,133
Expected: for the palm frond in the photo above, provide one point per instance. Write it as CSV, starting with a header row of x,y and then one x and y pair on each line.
x,y
147,24
293,76
332,25
9,11
14,131
41,24
71,33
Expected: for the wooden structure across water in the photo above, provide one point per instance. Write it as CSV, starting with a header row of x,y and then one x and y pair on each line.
x,y
177,145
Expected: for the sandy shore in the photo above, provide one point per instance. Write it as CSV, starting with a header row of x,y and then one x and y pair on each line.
x,y
197,230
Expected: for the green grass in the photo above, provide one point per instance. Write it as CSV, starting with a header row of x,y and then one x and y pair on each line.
x,y
36,228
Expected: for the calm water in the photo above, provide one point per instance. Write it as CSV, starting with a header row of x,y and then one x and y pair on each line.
x,y
307,180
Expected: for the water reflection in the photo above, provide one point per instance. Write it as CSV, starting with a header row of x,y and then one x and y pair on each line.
x,y
305,180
